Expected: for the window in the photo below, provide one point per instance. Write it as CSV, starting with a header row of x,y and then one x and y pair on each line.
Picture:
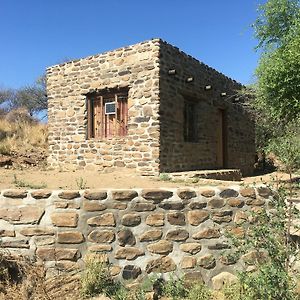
x,y
189,128
107,114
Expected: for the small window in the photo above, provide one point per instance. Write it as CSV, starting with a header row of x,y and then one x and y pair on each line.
x,y
107,114
189,128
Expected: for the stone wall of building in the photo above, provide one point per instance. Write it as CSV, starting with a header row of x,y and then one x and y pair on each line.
x,y
155,141
134,67
178,155
141,231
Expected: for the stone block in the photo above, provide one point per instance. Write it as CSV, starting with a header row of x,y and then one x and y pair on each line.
x,y
186,194
207,261
248,193
176,218
155,220
69,195
36,231
131,220
208,193
95,195
197,205
114,271
106,219
192,248
235,202
92,205
229,193
156,195
188,262
143,206
131,272
41,194
162,247
177,235
207,233
196,217
54,254
15,243
15,194
171,205
129,253
101,236
223,279
216,203
264,192
163,264
126,237
117,205
30,214
151,235
255,202
70,237
222,216
7,233
124,195
238,232
64,219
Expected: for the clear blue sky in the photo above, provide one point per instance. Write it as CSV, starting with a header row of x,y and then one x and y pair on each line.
x,y
36,34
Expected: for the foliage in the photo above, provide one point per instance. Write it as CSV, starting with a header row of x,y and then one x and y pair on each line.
x,y
81,183
275,22
272,251
277,95
96,278
269,283
164,177
175,288
278,77
21,183
199,292
287,147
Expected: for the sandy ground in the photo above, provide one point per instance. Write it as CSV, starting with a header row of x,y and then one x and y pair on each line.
x,y
122,178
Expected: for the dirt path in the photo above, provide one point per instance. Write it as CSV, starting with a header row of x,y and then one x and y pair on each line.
x,y
122,178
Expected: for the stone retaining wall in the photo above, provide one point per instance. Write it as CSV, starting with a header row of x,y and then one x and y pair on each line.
x,y
141,231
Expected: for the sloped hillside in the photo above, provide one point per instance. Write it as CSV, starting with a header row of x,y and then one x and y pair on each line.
x,y
23,140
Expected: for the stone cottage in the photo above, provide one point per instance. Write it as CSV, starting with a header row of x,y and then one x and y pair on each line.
x,y
150,107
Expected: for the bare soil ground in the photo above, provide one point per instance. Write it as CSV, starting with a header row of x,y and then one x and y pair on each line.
x,y
121,178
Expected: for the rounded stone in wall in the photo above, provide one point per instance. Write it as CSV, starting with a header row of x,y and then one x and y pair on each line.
x,y
131,220
126,237
101,236
131,272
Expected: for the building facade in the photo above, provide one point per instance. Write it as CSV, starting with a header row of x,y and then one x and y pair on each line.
x,y
150,107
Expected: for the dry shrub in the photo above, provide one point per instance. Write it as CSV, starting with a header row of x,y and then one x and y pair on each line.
x,y
19,115
23,279
20,132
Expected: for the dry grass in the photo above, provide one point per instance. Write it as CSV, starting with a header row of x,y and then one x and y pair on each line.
x,y
21,136
23,279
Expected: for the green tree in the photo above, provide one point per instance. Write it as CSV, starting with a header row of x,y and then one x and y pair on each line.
x,y
275,22
277,92
279,81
